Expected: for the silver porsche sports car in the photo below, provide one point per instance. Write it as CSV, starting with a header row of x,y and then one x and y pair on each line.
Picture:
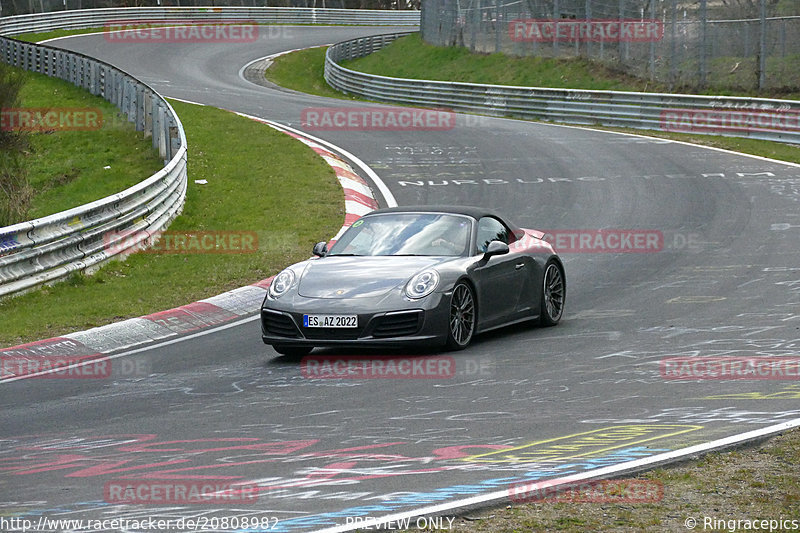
x,y
433,275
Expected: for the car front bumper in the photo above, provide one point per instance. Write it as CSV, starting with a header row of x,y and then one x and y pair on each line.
x,y
406,323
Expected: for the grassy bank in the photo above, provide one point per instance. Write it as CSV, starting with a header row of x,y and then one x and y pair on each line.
x,y
43,36
259,180
754,483
410,57
303,71
70,168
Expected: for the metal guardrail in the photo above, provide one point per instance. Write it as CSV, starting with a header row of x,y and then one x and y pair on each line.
x,y
52,247
49,248
755,118
91,18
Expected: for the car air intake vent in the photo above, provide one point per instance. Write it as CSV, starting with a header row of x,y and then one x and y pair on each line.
x,y
279,324
340,334
398,324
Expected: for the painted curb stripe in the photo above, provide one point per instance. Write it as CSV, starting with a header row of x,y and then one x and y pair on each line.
x,y
203,316
497,497
191,317
361,198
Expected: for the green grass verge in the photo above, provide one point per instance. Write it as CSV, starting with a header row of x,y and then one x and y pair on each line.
x,y
302,71
68,168
410,57
744,484
258,180
43,36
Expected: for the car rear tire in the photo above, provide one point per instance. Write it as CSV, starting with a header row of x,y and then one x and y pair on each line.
x,y
463,317
293,351
554,292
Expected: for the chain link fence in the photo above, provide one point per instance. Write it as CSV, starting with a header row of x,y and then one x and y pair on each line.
x,y
699,44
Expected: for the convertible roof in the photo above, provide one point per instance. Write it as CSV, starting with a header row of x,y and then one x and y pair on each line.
x,y
470,211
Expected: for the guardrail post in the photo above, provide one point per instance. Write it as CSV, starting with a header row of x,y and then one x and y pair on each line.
x,y
163,132
156,125
174,141
119,90
140,98
51,247
95,81
126,99
60,68
639,110
148,115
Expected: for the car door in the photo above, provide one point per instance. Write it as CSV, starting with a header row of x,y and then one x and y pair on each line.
x,y
499,279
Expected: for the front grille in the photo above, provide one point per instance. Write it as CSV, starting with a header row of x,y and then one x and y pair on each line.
x,y
340,334
398,324
278,324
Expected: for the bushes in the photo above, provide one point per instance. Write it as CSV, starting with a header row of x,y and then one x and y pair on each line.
x,y
15,191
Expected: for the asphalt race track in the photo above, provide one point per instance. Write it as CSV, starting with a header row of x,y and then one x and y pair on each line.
x,y
523,403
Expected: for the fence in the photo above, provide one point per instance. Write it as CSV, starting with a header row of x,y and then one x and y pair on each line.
x,y
696,44
756,118
51,248
57,18
96,18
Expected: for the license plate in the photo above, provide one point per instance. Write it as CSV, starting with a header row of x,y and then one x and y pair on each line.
x,y
330,321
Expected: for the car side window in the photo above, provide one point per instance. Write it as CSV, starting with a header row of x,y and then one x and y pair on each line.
x,y
490,229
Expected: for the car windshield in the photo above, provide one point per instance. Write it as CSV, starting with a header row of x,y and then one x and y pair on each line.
x,y
406,234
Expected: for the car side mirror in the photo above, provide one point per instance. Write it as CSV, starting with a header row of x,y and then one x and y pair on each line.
x,y
496,248
321,249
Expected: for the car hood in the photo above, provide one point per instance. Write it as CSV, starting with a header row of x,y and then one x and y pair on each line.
x,y
360,277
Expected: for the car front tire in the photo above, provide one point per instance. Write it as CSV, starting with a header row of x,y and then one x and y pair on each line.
x,y
463,317
554,293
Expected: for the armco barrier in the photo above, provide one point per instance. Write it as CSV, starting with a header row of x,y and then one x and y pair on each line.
x,y
756,118
91,18
50,248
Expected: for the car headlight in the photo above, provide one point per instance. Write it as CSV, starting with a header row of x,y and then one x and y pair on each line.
x,y
281,283
422,284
